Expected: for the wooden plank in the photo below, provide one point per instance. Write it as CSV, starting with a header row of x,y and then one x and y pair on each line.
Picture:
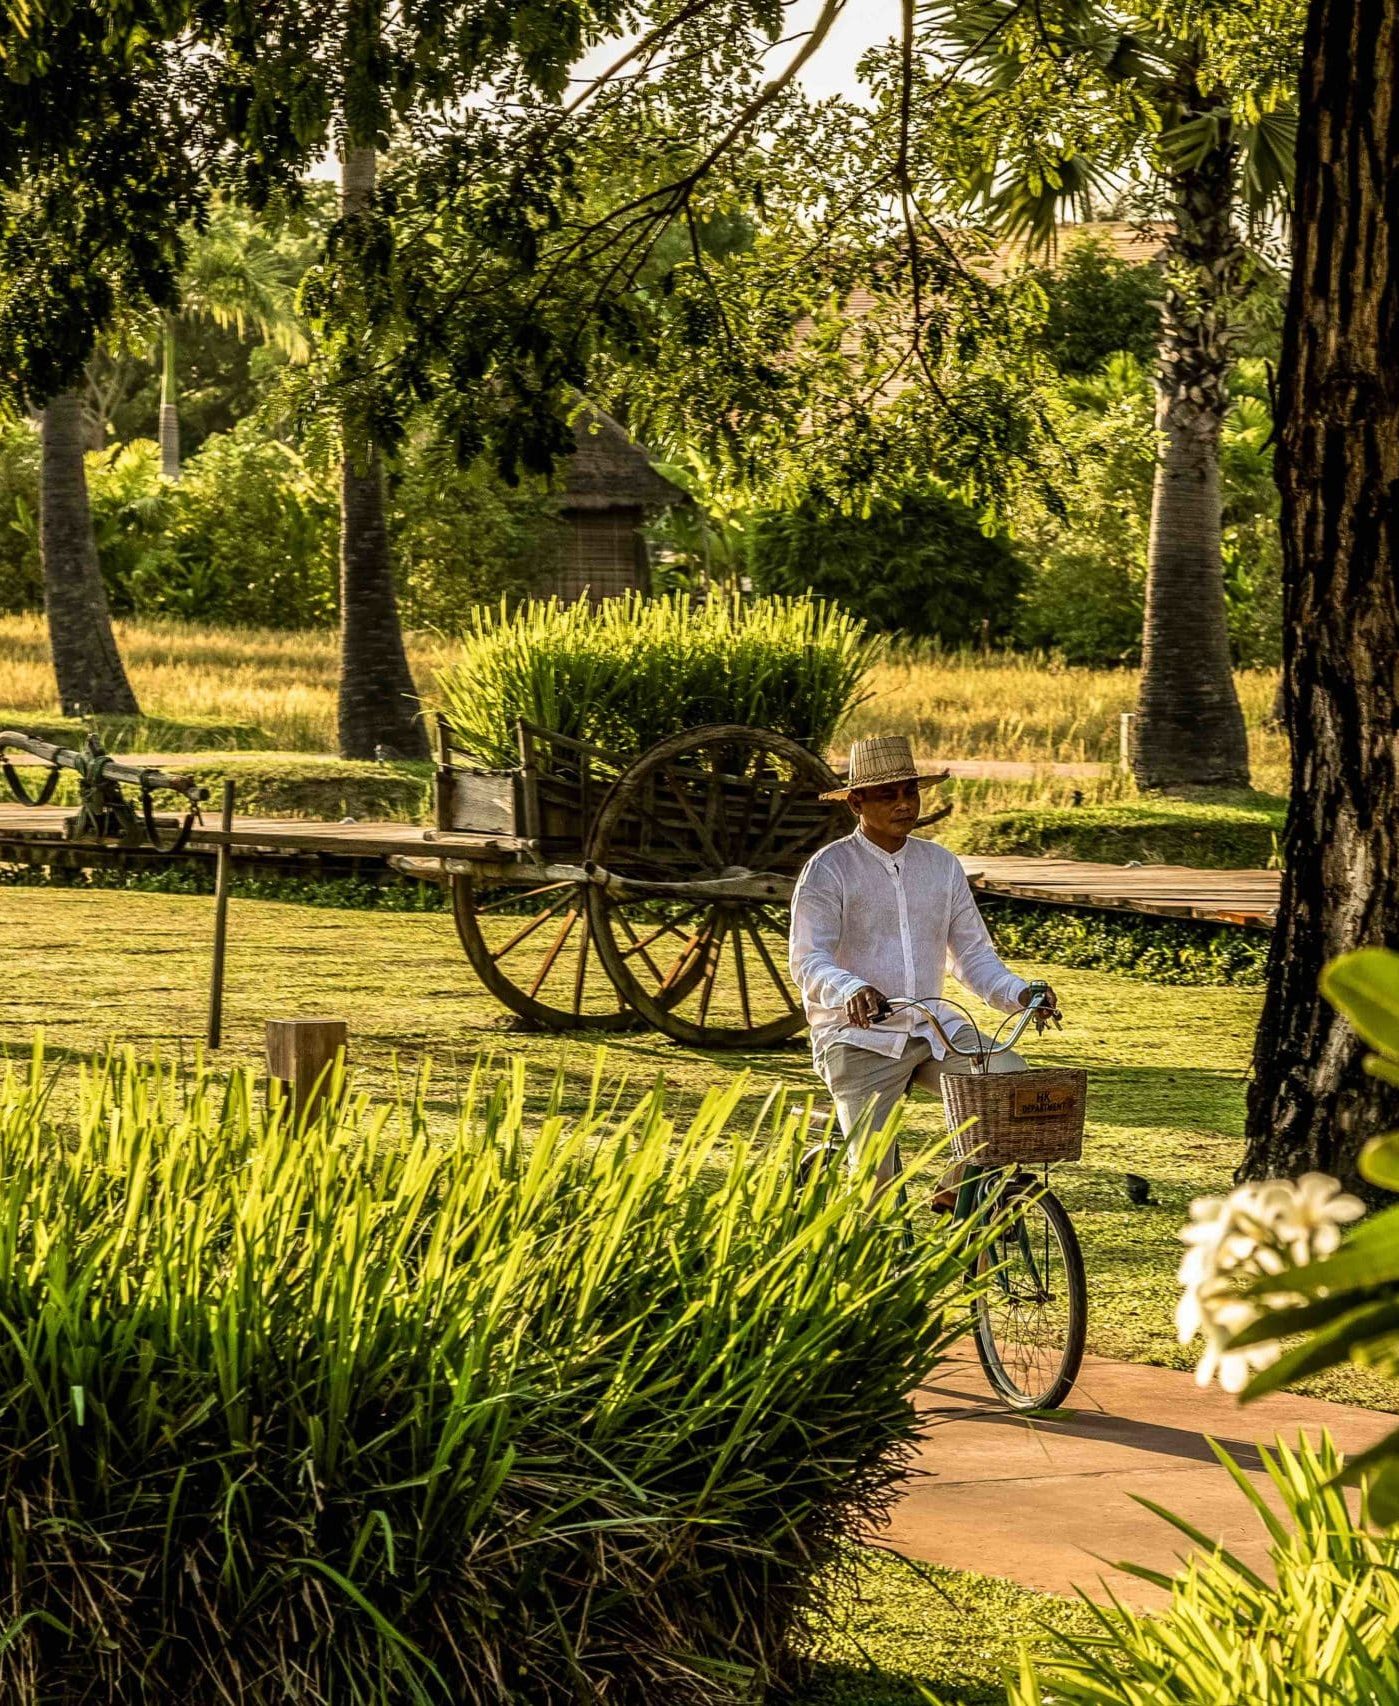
x,y
1248,898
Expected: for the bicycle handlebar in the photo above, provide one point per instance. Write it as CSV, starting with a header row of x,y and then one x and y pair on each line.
x,y
1037,1009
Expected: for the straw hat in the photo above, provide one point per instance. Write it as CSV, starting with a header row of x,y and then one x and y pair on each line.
x,y
878,762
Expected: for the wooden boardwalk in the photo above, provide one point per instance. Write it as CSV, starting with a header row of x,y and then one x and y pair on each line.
x,y
1168,891
1247,898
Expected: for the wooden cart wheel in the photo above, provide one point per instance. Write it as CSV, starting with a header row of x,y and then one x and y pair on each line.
x,y
534,954
717,802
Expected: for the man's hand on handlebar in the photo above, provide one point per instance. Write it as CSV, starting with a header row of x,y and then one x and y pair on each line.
x,y
1047,1006
865,1006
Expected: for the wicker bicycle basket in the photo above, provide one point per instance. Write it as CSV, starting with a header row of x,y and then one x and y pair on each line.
x,y
1017,1117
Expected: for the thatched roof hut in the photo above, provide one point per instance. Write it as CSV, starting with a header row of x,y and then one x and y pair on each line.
x,y
608,490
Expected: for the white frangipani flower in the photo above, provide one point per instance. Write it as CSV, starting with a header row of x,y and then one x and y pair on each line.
x,y
1257,1231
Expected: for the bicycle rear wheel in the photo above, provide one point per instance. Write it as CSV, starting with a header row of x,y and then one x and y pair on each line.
x,y
1032,1314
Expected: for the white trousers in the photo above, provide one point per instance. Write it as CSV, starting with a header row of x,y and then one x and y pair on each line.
x,y
862,1082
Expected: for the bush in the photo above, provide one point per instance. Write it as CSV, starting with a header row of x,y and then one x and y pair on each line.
x,y
1188,832
920,565
1096,305
462,537
1156,950
250,538
1085,597
21,574
364,1413
1326,1630
628,672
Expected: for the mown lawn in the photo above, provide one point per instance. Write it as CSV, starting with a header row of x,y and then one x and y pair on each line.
x,y
903,1634
1167,1064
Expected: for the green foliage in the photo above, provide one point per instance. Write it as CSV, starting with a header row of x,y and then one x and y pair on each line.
x,y
250,538
249,535
390,893
1085,595
1345,1308
372,1413
296,785
463,536
1156,950
628,672
918,564
1250,541
142,734
1201,832
1327,1629
21,573
1096,305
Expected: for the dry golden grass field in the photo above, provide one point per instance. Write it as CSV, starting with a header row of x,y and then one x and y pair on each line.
x,y
955,704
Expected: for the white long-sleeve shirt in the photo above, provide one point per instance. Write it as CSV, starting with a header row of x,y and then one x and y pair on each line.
x,y
897,921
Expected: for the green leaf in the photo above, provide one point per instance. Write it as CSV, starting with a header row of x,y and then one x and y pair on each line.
x,y
1364,985
1383,1491
1383,1451
1379,1159
1326,1348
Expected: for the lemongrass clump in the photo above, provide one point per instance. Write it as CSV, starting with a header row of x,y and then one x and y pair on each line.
x,y
548,1407
630,671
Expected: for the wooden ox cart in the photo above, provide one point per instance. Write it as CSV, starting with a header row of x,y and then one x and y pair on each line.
x,y
672,870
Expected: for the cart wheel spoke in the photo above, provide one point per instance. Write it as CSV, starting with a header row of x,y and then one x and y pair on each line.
x,y
511,898
581,972
714,950
766,843
517,970
701,829
783,986
528,928
741,972
555,949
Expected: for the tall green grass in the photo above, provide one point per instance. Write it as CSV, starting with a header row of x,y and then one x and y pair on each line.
x,y
1321,1627
628,672
361,1413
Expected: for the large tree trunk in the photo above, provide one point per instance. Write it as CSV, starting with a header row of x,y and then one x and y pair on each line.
x,y
1189,727
86,661
1310,1104
378,703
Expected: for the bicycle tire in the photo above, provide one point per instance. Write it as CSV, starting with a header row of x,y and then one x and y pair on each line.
x,y
1018,1382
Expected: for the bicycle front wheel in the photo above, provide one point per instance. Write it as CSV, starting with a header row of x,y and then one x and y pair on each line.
x,y
1032,1311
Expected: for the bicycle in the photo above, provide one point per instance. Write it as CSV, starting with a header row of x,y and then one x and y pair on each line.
x,y
1032,1300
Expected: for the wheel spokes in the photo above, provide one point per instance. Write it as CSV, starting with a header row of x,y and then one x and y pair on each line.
x,y
555,949
528,928
783,987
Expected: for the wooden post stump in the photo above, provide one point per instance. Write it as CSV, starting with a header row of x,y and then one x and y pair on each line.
x,y
301,1059
215,1033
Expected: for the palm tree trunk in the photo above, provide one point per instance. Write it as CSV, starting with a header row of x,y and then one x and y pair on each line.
x,y
169,408
1311,1104
378,701
1189,728
91,676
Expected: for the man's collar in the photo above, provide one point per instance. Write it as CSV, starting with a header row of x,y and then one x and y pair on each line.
x,y
890,860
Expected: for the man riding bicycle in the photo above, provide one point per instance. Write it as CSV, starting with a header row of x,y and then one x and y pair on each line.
x,y
883,914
